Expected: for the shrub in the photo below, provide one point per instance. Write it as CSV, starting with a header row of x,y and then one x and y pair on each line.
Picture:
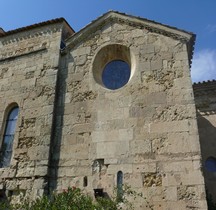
x,y
75,199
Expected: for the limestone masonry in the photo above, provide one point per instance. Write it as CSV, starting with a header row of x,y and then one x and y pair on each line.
x,y
67,119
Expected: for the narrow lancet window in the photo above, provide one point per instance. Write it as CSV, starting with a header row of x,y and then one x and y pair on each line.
x,y
8,137
120,186
85,181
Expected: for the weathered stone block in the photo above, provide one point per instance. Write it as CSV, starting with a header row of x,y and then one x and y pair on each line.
x,y
141,147
170,127
112,149
156,65
145,167
39,183
81,51
126,168
40,171
171,194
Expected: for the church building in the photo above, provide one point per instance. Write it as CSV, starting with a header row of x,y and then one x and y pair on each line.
x,y
110,105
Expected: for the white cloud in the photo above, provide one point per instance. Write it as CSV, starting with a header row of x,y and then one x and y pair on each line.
x,y
211,28
204,65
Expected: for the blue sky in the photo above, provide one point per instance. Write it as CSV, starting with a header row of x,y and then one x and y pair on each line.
x,y
197,16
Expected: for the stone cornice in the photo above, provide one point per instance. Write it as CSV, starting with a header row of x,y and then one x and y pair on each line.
x,y
115,17
205,97
37,25
21,52
206,112
204,88
10,39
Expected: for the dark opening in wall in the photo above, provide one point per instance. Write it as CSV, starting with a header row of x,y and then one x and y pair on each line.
x,y
62,45
3,196
85,181
210,164
120,186
98,192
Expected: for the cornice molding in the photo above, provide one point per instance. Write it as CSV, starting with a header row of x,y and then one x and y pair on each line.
x,y
204,88
137,22
206,112
21,52
30,34
37,25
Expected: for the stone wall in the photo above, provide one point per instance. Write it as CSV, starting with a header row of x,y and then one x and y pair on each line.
x,y
206,106
73,131
28,72
146,129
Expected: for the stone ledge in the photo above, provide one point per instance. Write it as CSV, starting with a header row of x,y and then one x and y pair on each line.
x,y
12,56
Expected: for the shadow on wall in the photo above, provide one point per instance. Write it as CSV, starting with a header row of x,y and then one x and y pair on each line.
x,y
207,137
3,197
56,138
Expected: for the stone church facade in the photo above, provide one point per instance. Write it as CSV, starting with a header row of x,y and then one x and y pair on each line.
x,y
63,123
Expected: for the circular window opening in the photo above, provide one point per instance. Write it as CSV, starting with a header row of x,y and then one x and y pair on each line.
x,y
113,66
210,164
116,74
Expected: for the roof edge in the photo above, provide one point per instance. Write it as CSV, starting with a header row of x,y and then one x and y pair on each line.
x,y
153,22
26,28
204,83
151,25
155,26
2,31
205,87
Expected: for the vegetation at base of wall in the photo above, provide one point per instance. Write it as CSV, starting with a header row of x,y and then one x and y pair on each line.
x,y
75,199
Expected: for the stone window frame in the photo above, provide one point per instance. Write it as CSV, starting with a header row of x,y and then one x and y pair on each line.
x,y
108,53
8,111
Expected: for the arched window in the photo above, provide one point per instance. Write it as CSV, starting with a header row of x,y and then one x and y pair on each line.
x,y
119,186
8,137
210,164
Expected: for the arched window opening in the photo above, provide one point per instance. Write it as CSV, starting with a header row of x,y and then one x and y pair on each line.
x,y
119,186
8,137
210,164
